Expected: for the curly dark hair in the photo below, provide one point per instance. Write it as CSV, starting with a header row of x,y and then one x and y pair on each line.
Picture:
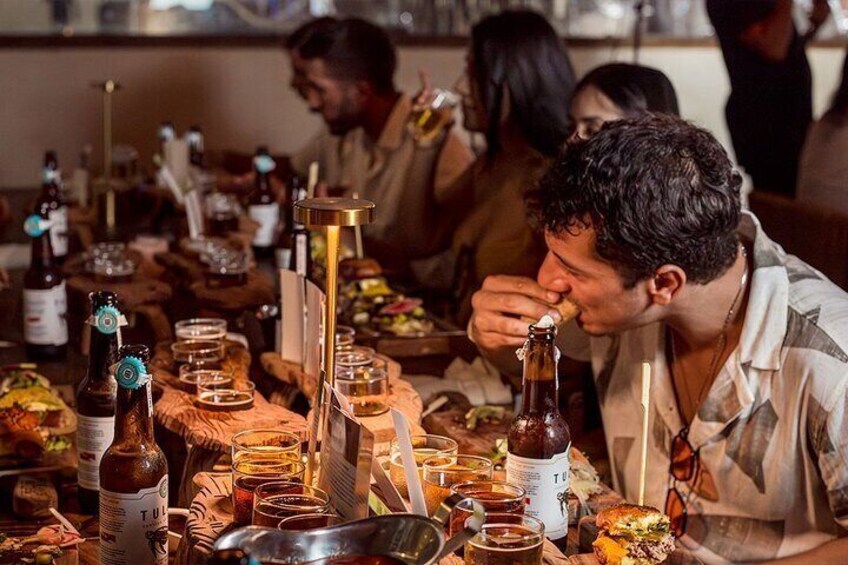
x,y
656,189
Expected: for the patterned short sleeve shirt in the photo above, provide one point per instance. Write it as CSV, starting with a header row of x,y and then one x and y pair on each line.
x,y
772,433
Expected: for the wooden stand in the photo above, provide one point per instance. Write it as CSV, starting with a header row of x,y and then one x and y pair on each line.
x,y
207,434
141,296
401,396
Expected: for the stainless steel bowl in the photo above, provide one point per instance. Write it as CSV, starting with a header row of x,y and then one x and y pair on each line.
x,y
407,537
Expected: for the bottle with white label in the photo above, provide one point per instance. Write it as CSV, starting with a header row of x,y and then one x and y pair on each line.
x,y
262,205
133,473
44,295
51,197
96,396
539,441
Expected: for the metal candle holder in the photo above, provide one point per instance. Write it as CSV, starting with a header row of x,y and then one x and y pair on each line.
x,y
332,214
105,183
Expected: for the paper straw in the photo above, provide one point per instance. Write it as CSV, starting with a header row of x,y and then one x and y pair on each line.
x,y
646,401
357,232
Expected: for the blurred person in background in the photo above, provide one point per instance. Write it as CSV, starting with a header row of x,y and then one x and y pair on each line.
x,y
771,103
516,88
616,91
823,172
344,70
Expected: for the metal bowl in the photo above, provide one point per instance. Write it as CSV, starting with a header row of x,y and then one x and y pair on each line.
x,y
407,537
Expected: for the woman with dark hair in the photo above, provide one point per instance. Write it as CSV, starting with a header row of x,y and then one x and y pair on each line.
x,y
823,169
617,91
515,90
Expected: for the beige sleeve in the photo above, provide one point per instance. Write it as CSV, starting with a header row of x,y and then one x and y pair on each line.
x,y
312,151
454,160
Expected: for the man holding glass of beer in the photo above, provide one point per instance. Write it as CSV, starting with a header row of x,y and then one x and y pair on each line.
x,y
344,70
747,438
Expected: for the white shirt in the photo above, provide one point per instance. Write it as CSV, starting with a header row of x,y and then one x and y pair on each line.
x,y
773,428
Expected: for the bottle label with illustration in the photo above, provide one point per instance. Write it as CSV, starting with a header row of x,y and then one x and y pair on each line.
x,y
546,482
45,320
134,527
94,436
267,215
59,231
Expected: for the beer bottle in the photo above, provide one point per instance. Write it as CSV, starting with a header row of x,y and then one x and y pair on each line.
x,y
194,138
45,299
262,205
133,473
538,442
51,196
301,238
96,396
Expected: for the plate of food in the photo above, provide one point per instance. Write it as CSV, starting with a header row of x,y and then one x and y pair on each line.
x,y
35,423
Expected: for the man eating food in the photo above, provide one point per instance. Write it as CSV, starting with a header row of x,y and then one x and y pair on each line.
x,y
748,345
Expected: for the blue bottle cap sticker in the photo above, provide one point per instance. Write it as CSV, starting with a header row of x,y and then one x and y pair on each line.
x,y
264,163
130,373
107,320
35,225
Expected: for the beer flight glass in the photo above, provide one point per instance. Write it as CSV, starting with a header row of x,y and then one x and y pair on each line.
x,y
442,472
506,539
276,500
423,447
496,497
249,475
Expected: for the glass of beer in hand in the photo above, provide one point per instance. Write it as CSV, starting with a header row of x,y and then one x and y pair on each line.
x,y
441,473
428,120
506,539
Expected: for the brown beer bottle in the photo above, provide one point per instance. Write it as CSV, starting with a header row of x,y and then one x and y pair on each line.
x,y
45,298
96,396
539,441
133,473
262,205
51,196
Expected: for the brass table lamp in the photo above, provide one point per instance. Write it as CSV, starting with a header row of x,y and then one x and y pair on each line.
x,y
332,214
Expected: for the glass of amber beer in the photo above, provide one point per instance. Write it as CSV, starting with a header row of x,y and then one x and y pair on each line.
x,y
249,474
225,395
423,447
441,473
506,539
496,497
266,444
430,119
276,500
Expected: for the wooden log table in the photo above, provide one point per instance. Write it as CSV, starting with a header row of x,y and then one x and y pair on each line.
x,y
401,396
211,512
208,434
195,439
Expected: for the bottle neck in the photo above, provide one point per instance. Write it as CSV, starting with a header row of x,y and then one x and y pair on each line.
x,y
263,182
102,354
133,417
540,386
42,251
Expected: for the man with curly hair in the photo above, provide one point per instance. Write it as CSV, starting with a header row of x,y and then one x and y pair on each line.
x,y
748,433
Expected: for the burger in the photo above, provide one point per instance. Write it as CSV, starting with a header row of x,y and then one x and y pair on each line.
x,y
632,535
